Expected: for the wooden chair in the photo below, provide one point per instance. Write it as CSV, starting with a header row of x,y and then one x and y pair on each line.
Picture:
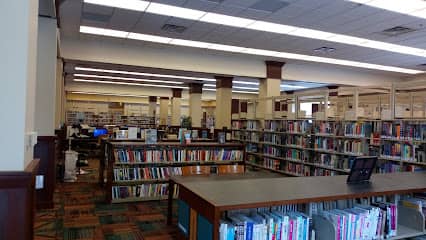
x,y
195,170
230,169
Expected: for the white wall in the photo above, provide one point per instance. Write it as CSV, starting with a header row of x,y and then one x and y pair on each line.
x,y
18,47
45,107
219,63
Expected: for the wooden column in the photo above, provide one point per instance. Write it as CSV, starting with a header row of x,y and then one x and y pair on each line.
x,y
195,111
269,87
45,150
223,102
152,106
164,110
176,105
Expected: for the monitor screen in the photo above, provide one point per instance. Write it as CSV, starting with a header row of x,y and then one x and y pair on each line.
x,y
100,131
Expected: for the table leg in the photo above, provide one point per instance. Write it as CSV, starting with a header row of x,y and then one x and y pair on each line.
x,y
216,225
170,203
193,225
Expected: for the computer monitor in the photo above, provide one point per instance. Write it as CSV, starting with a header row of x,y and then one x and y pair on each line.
x,y
361,169
99,132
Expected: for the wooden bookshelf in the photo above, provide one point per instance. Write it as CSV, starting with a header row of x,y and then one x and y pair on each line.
x,y
207,199
139,172
331,145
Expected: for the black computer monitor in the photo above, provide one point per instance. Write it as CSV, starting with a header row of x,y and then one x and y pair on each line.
x,y
361,169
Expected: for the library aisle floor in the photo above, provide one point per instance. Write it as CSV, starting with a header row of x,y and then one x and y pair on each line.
x,y
80,213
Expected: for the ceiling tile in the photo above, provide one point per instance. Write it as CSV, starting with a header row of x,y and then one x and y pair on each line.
x,y
123,19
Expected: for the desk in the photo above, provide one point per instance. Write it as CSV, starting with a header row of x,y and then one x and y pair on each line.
x,y
211,196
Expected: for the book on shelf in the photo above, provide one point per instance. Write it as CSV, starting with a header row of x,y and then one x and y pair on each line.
x,y
136,173
150,136
141,191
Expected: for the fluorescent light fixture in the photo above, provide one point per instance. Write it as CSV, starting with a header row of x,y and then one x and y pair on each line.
x,y
110,94
209,85
247,83
247,88
416,8
226,20
143,74
230,48
291,86
189,43
260,52
173,11
244,92
271,27
126,78
135,5
103,32
412,7
149,38
127,83
234,91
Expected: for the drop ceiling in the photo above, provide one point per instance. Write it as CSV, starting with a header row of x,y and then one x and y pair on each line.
x,y
336,16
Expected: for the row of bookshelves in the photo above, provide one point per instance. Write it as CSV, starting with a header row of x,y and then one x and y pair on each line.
x,y
377,220
107,118
309,141
176,155
146,173
139,171
141,192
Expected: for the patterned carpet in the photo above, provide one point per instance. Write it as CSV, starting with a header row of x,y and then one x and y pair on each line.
x,y
81,213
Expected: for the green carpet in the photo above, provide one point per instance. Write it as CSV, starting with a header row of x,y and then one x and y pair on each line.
x,y
81,213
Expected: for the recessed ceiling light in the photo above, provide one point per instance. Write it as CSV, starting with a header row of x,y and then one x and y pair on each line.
x,y
247,83
144,74
414,7
291,86
230,48
103,32
234,91
126,78
127,83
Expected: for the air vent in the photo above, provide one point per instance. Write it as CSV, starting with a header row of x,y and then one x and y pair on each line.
x,y
324,50
269,5
96,17
173,28
396,31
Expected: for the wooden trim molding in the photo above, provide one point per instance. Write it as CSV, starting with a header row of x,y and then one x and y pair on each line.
x,y
274,69
17,194
177,92
195,88
45,150
164,98
223,81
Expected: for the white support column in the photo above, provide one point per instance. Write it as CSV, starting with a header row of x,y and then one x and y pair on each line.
x,y
356,102
392,101
18,23
45,107
60,94
152,106
269,87
223,102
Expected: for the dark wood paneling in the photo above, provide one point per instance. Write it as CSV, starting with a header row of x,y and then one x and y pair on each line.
x,y
45,150
315,107
177,92
195,88
152,99
223,82
274,69
235,106
164,98
277,106
243,106
17,202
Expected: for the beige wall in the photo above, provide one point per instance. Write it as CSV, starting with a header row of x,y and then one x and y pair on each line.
x,y
218,63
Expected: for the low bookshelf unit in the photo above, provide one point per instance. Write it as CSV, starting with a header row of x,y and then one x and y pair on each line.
x,y
140,172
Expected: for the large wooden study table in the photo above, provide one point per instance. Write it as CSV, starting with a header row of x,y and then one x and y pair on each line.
x,y
210,196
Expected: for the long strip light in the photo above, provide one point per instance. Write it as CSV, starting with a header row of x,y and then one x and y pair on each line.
x,y
130,84
234,91
125,78
285,55
109,94
415,8
144,74
409,6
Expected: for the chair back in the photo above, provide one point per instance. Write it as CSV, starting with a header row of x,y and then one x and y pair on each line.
x,y
195,170
230,169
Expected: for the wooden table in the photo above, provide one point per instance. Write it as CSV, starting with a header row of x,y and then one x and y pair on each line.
x,y
210,196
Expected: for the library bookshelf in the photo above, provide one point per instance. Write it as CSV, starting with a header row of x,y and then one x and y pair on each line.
x,y
139,172
309,147
204,202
